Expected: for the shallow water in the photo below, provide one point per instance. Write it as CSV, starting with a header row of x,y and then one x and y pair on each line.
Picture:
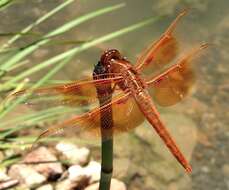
x,y
199,123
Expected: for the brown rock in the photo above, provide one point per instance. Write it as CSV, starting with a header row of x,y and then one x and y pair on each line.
x,y
69,184
44,162
26,175
8,184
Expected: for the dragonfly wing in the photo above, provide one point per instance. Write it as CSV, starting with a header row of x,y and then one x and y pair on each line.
x,y
175,83
161,52
71,94
125,112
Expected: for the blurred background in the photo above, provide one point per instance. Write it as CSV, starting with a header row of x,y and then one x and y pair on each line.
x,y
199,124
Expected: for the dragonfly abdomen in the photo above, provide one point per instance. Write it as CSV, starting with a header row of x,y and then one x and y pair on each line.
x,y
148,108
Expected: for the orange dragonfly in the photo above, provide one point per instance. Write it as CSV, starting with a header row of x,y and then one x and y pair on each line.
x,y
131,90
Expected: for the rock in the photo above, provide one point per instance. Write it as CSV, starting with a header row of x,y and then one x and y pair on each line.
x,y
79,177
115,185
91,172
74,154
77,173
8,184
44,162
185,182
45,187
3,175
68,184
149,157
225,170
26,175
173,186
121,169
182,129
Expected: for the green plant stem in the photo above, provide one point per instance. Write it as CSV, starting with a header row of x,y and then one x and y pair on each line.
x,y
107,141
107,164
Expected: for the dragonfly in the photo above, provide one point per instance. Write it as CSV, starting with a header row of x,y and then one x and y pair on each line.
x,y
134,92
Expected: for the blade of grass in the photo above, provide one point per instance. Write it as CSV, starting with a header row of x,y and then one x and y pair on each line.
x,y
58,31
5,3
9,162
79,49
37,22
6,102
28,118
40,82
19,33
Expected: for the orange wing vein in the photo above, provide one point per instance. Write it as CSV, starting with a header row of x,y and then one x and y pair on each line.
x,y
161,52
71,94
126,116
175,83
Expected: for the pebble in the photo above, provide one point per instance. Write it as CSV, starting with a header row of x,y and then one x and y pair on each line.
x,y
26,175
68,184
45,187
74,154
44,162
8,184
91,172
79,177
76,173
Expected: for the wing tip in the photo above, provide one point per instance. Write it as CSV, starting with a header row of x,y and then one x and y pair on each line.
x,y
184,12
205,45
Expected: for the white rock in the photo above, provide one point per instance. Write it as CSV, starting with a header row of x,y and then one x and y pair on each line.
x,y
45,187
77,173
91,172
115,185
73,153
26,175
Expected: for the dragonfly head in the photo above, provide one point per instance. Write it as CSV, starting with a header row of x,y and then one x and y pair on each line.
x,y
104,64
108,55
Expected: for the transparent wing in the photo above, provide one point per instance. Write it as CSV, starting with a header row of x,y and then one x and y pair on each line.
x,y
71,94
175,83
125,112
161,52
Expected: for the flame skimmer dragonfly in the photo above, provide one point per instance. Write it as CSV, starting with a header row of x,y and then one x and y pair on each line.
x,y
131,102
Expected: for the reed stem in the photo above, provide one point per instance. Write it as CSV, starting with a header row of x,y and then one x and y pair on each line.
x,y
107,164
106,145
104,93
